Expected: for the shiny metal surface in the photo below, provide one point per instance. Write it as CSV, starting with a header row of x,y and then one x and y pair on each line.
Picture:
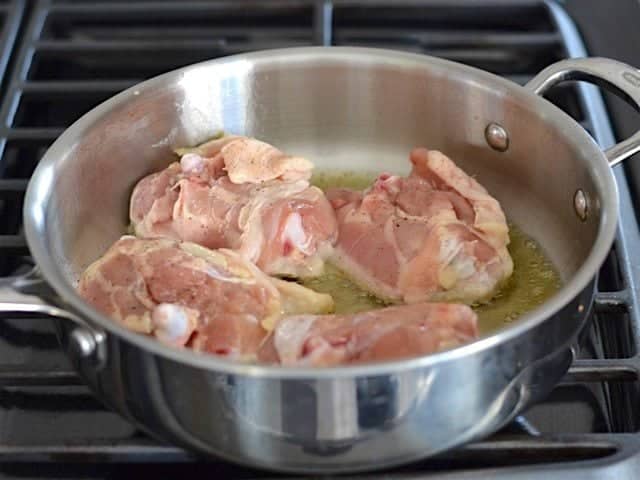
x,y
24,297
85,344
497,137
581,204
338,107
610,74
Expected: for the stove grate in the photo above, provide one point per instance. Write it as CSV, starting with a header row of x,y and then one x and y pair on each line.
x,y
93,50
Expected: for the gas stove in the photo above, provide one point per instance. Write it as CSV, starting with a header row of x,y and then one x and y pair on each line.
x,y
58,59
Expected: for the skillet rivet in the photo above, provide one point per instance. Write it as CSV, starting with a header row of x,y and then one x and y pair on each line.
x,y
82,342
497,137
581,204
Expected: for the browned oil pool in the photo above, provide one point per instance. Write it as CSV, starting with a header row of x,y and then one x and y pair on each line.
x,y
533,281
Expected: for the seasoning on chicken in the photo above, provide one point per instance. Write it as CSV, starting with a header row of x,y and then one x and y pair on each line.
x,y
391,333
248,160
436,235
183,294
244,195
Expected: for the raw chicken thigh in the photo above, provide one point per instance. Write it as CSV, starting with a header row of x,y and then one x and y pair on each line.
x,y
214,229
210,300
391,333
436,235
242,194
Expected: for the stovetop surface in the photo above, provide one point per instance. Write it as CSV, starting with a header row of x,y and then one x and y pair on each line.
x,y
59,59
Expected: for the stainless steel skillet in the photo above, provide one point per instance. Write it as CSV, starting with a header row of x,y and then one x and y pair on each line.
x,y
340,107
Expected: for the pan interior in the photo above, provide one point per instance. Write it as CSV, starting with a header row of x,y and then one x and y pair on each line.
x,y
354,109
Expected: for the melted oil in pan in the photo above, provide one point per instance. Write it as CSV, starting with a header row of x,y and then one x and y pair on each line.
x,y
534,280
348,297
534,277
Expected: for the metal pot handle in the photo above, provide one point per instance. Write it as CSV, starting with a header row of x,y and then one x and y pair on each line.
x,y
617,77
25,296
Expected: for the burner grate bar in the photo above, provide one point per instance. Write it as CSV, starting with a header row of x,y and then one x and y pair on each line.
x,y
13,184
459,54
107,452
218,46
14,245
612,302
322,22
11,13
34,133
37,377
511,449
509,40
599,370
65,86
144,8
447,4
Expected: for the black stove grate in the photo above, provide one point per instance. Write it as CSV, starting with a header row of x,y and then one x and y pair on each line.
x,y
73,55
11,13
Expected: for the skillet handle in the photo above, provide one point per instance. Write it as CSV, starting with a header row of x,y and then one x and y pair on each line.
x,y
26,296
617,77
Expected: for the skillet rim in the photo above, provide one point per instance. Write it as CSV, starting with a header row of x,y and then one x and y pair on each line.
x,y
41,185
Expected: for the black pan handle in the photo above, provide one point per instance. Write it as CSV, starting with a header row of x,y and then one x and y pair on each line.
x,y
617,77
